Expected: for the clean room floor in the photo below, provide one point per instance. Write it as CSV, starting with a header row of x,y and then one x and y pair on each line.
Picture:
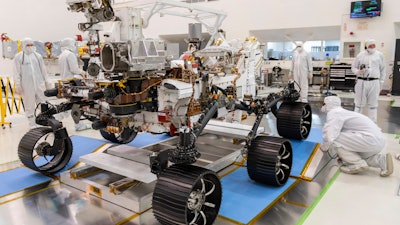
x,y
366,198
334,198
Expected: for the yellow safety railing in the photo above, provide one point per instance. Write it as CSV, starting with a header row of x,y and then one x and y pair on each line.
x,y
7,91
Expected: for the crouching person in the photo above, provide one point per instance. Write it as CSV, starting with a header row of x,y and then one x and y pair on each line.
x,y
357,140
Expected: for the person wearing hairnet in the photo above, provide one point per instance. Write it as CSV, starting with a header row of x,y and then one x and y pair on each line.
x,y
30,77
369,67
69,69
357,140
301,71
68,61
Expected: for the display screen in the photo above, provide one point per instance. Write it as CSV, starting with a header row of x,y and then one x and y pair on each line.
x,y
361,9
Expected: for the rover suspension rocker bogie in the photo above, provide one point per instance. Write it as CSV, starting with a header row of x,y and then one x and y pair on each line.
x,y
134,87
269,161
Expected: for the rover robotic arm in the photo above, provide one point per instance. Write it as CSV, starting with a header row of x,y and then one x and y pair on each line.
x,y
95,11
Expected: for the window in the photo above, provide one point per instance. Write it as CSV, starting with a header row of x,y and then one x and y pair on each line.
x,y
319,50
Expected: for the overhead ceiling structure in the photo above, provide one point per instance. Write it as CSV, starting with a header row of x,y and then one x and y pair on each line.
x,y
278,35
176,38
297,34
210,18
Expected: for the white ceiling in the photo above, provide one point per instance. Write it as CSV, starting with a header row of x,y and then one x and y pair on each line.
x,y
297,34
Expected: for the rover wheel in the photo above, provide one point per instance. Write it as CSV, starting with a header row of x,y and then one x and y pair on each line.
x,y
126,136
269,160
35,151
187,194
294,120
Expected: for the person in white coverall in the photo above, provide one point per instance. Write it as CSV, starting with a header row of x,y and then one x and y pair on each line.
x,y
369,67
301,70
30,77
357,140
68,61
69,69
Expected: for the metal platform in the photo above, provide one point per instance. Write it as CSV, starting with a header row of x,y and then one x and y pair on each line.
x,y
121,174
58,203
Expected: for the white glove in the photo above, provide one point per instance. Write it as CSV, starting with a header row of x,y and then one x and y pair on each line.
x,y
362,71
324,147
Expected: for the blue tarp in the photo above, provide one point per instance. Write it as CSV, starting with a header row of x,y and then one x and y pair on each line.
x,y
21,178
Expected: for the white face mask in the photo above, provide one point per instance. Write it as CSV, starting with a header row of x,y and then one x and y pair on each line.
x,y
323,109
371,50
300,49
29,49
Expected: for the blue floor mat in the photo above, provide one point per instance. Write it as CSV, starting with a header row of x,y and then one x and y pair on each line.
x,y
315,135
243,199
302,151
21,178
144,139
81,146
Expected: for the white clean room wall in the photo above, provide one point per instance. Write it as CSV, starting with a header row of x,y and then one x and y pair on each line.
x,y
261,14
41,20
244,16
382,28
50,20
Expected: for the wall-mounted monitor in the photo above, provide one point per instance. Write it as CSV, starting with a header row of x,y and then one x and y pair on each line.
x,y
362,9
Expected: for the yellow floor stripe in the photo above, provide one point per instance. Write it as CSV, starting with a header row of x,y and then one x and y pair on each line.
x,y
132,217
17,162
294,203
230,220
261,214
128,219
308,211
27,194
229,172
309,161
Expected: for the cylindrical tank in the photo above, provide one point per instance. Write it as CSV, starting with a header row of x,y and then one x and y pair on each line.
x,y
194,31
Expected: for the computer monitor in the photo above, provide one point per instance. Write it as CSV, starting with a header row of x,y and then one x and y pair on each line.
x,y
362,9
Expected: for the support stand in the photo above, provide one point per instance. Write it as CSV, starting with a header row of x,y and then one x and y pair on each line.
x,y
325,84
3,105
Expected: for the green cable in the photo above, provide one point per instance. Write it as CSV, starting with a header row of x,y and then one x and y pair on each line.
x,y
318,199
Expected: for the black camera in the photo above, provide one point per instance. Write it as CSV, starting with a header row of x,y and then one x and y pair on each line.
x,y
362,66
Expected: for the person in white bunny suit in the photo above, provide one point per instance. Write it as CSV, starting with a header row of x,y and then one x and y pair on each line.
x,y
357,140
